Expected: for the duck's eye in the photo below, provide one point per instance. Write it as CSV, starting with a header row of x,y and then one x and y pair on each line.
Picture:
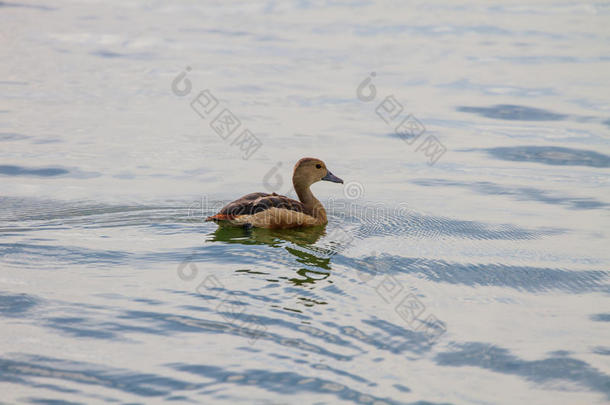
x,y
318,166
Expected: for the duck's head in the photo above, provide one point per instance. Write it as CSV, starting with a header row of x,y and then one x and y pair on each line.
x,y
310,170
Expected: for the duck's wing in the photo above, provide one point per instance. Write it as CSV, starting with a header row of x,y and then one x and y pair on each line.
x,y
276,201
257,202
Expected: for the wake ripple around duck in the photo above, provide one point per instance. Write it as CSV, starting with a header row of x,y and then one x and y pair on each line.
x,y
370,221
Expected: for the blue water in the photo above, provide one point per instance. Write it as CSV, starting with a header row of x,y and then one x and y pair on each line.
x,y
466,256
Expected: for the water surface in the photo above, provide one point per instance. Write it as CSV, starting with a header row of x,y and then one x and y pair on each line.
x,y
475,275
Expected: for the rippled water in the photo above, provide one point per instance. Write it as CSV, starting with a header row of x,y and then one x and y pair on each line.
x,y
466,258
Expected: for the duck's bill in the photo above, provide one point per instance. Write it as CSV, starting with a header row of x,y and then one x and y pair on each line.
x,y
331,177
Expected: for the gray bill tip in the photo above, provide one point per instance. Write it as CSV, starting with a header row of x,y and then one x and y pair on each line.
x,y
331,177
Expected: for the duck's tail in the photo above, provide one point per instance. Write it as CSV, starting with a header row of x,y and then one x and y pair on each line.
x,y
219,217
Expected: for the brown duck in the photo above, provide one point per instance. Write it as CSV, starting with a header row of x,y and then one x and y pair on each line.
x,y
264,210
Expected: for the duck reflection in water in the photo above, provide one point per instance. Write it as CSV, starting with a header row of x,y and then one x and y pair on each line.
x,y
299,242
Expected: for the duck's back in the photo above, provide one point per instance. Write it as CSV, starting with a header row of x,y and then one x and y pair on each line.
x,y
263,209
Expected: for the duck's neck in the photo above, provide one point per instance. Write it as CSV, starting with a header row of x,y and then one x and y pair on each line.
x,y
311,203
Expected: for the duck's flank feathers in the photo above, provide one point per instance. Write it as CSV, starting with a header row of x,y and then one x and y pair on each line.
x,y
254,203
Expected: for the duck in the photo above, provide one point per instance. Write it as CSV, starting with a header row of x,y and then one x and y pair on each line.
x,y
274,211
